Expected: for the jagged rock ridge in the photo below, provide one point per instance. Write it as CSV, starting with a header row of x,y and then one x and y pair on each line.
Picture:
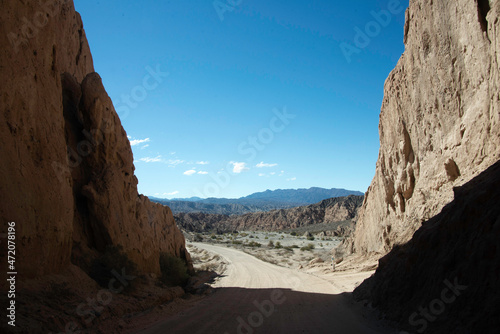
x,y
327,211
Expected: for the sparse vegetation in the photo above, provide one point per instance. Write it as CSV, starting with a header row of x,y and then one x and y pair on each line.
x,y
173,270
270,244
309,247
236,242
293,233
254,244
278,245
311,238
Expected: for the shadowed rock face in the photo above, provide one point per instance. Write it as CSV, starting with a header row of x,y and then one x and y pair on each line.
x,y
440,120
457,248
67,174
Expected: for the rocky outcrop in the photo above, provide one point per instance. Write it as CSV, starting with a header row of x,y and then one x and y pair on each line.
x,y
440,120
67,175
447,278
325,212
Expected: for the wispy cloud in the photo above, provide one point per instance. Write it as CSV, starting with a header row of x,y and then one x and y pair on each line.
x,y
202,162
202,172
239,167
147,145
173,163
172,193
167,194
189,172
292,179
262,174
149,159
262,165
136,142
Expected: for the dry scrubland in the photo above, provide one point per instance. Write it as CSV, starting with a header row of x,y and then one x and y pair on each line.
x,y
280,248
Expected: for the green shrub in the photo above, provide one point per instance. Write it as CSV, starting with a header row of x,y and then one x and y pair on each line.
x,y
270,244
243,234
113,259
254,244
173,270
293,233
278,245
310,237
236,242
309,247
198,238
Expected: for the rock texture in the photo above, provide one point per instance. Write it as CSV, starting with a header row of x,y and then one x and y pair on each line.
x,y
67,175
457,248
440,120
328,211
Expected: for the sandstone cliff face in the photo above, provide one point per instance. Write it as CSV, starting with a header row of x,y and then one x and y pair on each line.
x,y
456,252
67,175
440,120
328,211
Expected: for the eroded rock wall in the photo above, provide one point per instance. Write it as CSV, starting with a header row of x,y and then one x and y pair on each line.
x,y
440,119
67,175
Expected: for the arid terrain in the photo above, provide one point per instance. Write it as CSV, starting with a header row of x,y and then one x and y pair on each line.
x,y
252,295
83,251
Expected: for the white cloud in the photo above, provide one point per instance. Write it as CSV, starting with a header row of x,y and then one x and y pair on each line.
x,y
239,167
202,172
273,173
172,193
262,165
292,179
262,174
149,159
172,153
282,172
202,162
168,194
173,163
147,145
190,172
136,142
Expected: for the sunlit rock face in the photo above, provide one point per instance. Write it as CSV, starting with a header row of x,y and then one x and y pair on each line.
x,y
440,119
67,174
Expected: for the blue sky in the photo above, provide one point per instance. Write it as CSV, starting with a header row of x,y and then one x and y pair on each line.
x,y
226,98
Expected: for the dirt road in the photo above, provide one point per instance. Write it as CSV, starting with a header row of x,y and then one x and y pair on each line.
x,y
258,297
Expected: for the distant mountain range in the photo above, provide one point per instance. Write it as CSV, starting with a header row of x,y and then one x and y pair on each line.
x,y
261,201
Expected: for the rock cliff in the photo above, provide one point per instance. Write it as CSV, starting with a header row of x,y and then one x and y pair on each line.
x,y
440,119
67,174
